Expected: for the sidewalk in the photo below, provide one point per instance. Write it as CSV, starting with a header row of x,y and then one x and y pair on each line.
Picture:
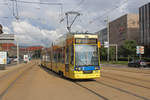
x,y
9,69
10,74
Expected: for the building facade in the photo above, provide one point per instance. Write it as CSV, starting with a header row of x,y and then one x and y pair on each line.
x,y
144,20
102,35
124,28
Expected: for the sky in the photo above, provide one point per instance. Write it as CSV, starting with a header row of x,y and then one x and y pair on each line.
x,y
39,24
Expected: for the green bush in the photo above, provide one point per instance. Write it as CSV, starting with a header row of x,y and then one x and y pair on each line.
x,y
124,59
147,59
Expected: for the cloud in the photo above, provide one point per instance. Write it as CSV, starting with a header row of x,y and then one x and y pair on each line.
x,y
27,14
31,35
6,30
39,24
1,13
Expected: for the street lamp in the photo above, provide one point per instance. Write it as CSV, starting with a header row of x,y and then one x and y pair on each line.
x,y
108,37
17,49
17,53
107,21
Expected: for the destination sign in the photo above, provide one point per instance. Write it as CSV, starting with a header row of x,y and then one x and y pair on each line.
x,y
86,41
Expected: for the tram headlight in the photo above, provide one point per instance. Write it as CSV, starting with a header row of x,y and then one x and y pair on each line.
x,y
97,67
78,68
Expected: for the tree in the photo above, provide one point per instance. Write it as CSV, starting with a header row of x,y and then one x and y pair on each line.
x,y
128,48
112,52
103,53
37,54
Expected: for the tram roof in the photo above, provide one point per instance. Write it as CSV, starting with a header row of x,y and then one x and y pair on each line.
x,y
76,35
61,40
82,35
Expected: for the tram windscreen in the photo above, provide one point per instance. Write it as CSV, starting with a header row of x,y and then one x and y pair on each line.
x,y
86,55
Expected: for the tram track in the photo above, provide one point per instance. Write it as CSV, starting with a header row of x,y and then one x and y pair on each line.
x,y
123,80
76,83
105,96
144,71
92,91
125,76
126,82
22,72
8,73
122,90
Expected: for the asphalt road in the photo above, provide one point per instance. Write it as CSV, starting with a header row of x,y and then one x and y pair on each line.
x,y
115,84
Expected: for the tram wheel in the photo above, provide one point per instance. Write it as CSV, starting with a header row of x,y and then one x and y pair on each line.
x,y
61,73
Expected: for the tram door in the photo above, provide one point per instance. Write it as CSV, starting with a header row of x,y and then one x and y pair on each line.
x,y
67,57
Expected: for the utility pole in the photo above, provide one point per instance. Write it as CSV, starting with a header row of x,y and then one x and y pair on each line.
x,y
17,53
108,38
116,52
116,46
67,16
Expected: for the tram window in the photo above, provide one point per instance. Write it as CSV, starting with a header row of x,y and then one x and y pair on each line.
x,y
67,55
63,55
60,56
72,55
55,57
49,57
52,56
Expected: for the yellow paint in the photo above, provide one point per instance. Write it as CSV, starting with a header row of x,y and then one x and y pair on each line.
x,y
99,44
72,73
85,35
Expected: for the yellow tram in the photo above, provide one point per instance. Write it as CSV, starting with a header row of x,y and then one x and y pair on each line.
x,y
74,56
